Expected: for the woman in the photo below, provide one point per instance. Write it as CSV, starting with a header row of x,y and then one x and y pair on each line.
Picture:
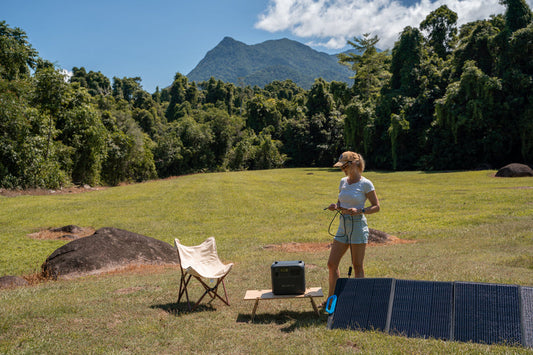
x,y
354,190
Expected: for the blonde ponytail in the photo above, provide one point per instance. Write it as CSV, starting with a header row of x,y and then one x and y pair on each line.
x,y
360,163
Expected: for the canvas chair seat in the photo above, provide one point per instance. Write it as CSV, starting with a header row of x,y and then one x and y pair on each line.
x,y
202,263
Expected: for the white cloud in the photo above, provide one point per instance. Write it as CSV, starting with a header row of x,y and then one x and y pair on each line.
x,y
330,23
67,74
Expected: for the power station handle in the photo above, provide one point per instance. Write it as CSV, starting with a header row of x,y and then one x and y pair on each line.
x,y
331,303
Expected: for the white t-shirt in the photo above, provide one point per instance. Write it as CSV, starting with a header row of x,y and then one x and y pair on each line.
x,y
354,195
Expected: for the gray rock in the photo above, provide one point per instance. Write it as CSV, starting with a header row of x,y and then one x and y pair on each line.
x,y
515,170
106,250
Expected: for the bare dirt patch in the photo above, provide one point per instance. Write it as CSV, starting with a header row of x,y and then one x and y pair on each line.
x,y
293,247
41,192
141,269
35,279
136,269
63,233
392,240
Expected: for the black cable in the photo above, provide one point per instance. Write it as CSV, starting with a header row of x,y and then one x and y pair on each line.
x,y
349,243
349,236
330,223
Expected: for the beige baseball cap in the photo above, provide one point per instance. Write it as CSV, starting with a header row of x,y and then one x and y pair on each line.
x,y
346,157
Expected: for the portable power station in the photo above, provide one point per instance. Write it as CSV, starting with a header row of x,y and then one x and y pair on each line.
x,y
288,277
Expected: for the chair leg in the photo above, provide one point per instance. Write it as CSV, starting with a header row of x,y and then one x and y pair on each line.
x,y
225,293
226,300
212,292
208,290
184,282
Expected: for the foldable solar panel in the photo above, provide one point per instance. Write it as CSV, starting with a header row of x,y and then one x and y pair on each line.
x,y
463,311
422,309
361,304
487,313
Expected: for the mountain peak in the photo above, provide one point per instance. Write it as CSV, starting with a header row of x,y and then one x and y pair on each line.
x,y
227,39
260,64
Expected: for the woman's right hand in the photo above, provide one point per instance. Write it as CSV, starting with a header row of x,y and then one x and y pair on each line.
x,y
332,207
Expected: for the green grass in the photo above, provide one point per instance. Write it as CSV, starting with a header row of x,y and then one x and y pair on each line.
x,y
468,226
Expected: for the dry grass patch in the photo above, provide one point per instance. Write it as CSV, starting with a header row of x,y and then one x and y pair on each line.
x,y
293,247
62,233
42,192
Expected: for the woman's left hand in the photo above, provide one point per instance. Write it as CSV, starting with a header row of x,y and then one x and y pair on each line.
x,y
353,211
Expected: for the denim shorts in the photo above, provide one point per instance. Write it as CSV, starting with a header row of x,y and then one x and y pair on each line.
x,y
352,229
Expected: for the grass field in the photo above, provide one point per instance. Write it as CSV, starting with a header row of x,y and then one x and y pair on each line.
x,y
467,226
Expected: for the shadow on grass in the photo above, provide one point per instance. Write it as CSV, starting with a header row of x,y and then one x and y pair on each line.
x,y
177,309
291,320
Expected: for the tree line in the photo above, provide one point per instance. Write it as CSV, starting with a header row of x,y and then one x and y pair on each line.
x,y
443,98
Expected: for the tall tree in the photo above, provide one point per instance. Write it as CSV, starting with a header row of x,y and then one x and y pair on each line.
x,y
476,42
371,69
95,82
27,157
178,95
283,89
319,99
518,81
396,144
473,123
369,65
441,27
17,56
405,63
125,88
517,14
50,95
261,113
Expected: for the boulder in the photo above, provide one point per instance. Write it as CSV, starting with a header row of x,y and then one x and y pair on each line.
x,y
106,250
515,170
12,281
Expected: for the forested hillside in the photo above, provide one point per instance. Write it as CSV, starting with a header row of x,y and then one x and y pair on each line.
x,y
443,98
235,62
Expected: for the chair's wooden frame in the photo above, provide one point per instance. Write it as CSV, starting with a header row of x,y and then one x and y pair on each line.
x,y
211,291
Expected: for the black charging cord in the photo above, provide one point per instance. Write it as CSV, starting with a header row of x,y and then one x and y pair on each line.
x,y
338,212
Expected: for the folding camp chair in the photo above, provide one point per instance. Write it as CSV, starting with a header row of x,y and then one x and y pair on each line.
x,y
202,262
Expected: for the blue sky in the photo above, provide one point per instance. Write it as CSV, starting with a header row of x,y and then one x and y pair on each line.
x,y
156,39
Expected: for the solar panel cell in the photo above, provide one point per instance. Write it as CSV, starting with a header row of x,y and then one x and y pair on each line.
x,y
441,310
377,317
422,309
527,315
361,303
487,313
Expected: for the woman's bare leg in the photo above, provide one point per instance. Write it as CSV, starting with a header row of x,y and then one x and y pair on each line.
x,y
338,249
358,256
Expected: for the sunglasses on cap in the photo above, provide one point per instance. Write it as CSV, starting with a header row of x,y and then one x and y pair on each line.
x,y
345,165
